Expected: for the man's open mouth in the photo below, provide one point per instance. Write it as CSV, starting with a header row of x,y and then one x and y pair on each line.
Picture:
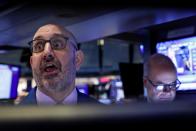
x,y
50,68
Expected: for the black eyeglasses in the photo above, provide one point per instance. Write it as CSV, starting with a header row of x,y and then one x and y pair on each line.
x,y
174,85
57,43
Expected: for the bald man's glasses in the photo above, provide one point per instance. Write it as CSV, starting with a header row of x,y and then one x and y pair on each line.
x,y
57,43
160,87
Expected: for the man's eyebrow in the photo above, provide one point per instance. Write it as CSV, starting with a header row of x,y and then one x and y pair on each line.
x,y
173,82
159,82
38,37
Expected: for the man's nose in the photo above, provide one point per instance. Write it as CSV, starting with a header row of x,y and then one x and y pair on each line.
x,y
47,47
166,89
48,52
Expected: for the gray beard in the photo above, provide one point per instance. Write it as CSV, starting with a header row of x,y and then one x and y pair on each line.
x,y
58,84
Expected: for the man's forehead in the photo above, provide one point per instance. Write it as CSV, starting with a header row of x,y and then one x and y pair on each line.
x,y
158,70
163,75
50,30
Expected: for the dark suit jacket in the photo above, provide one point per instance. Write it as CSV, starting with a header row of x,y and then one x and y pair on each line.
x,y
82,99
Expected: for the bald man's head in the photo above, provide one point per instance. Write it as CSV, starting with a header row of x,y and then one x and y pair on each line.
x,y
58,29
159,70
158,62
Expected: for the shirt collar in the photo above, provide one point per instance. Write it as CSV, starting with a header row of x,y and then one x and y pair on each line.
x,y
43,99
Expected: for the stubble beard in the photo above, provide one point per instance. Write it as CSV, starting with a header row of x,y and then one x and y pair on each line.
x,y
62,82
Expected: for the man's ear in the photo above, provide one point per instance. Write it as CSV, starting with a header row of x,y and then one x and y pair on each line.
x,y
79,59
31,61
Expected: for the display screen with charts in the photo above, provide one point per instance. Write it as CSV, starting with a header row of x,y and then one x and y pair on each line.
x,y
183,54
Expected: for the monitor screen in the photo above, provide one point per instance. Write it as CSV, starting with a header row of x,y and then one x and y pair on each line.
x,y
9,77
183,54
83,88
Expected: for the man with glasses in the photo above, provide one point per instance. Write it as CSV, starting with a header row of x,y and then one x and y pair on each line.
x,y
160,79
54,61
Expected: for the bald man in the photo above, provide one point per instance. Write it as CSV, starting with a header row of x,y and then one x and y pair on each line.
x,y
160,79
54,61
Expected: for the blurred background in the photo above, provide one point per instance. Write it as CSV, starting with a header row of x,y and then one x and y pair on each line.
x,y
116,38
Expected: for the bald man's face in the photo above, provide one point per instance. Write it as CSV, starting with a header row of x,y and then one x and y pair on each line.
x,y
160,76
53,70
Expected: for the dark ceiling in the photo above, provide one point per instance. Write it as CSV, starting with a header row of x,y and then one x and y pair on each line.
x,y
88,20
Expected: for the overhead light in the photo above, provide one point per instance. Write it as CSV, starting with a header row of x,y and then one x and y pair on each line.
x,y
101,42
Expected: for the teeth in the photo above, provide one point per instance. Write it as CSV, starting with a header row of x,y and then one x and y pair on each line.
x,y
48,65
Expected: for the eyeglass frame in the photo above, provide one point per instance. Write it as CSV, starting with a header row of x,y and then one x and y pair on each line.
x,y
165,85
30,43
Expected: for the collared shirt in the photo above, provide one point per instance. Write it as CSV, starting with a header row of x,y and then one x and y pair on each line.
x,y
43,99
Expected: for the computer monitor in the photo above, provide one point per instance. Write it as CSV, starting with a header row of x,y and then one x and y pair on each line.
x,y
83,88
9,77
183,54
